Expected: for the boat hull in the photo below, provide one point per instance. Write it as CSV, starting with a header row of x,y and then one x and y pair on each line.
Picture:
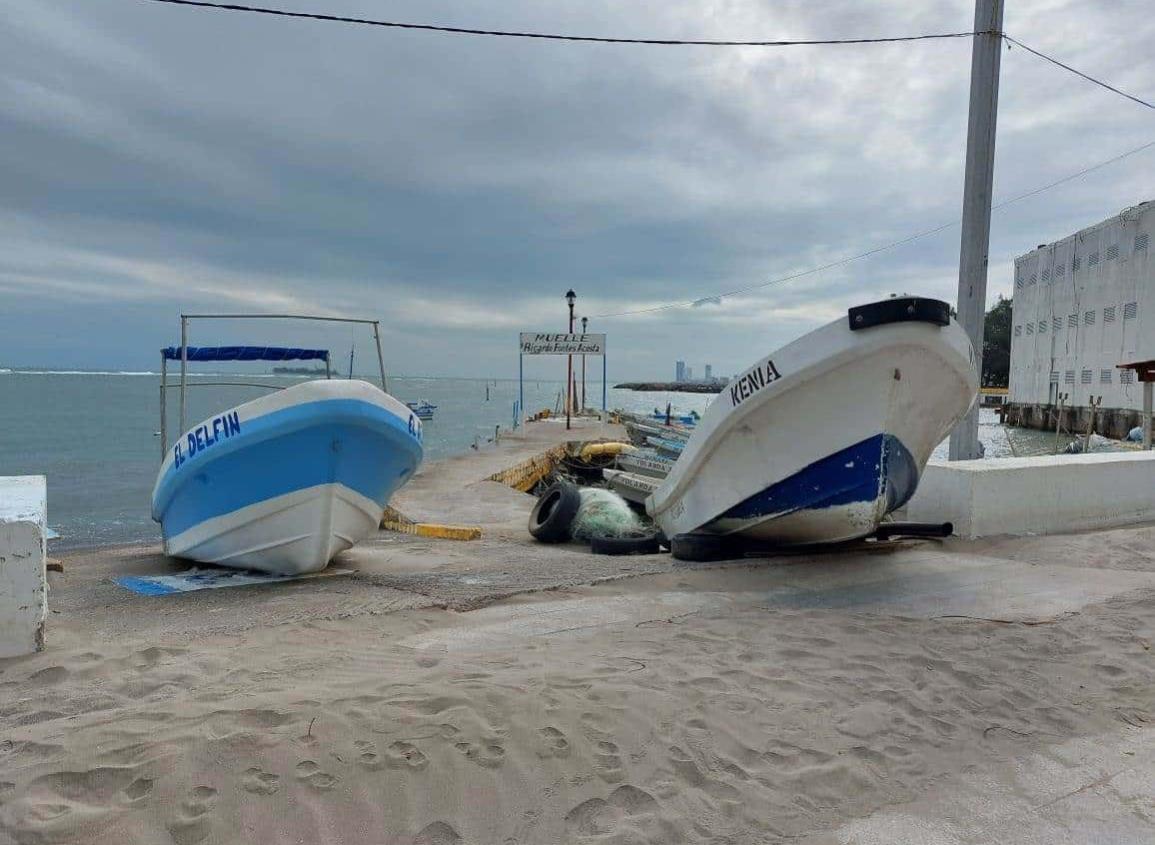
x,y
630,486
284,483
820,440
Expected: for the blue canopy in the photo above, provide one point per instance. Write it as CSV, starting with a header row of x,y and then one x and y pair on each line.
x,y
247,353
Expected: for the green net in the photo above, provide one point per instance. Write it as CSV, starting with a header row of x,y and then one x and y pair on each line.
x,y
603,513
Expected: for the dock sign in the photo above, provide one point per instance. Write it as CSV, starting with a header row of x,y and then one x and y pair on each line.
x,y
544,343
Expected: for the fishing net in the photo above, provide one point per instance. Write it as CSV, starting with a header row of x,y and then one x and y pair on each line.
x,y
603,513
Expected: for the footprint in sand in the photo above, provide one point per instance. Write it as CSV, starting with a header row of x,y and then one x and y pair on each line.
x,y
138,790
405,755
260,782
688,771
556,745
437,833
608,762
309,772
194,814
489,755
367,755
602,816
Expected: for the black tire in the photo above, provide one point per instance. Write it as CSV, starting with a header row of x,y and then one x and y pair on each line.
x,y
703,548
650,544
551,519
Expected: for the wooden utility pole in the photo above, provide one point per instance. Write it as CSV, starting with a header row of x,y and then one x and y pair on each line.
x,y
976,219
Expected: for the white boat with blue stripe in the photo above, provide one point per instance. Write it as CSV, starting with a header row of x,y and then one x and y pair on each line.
x,y
284,482
819,441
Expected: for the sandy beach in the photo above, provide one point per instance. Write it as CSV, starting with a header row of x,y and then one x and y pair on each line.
x,y
849,698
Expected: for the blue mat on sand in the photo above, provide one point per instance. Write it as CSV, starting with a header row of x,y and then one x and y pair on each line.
x,y
209,579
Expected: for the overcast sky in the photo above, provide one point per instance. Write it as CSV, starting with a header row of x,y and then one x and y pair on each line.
x,y
155,159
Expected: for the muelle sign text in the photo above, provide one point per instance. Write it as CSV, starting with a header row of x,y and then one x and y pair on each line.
x,y
542,343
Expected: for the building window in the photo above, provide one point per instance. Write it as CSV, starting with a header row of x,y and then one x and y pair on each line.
x,y
1069,377
1042,326
1093,260
1046,277
1034,278
1072,320
1054,376
1130,311
1060,271
1104,376
1112,252
1109,314
1056,323
1018,331
1076,264
1085,376
1140,241
1088,318
1030,328
1126,377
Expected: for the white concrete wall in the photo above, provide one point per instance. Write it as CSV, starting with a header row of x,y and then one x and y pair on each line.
x,y
1051,494
1082,305
23,580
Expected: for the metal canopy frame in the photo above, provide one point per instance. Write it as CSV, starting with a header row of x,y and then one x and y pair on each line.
x,y
184,347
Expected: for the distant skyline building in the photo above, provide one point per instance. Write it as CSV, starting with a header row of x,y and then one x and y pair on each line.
x,y
679,371
689,374
709,374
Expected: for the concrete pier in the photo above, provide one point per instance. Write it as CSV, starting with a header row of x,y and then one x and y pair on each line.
x,y
23,582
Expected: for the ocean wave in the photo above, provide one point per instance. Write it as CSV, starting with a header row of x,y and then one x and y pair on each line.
x,y
78,373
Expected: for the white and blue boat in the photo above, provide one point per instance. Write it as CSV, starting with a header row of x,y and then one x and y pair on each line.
x,y
284,482
423,409
819,441
646,462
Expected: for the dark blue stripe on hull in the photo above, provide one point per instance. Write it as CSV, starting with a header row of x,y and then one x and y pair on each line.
x,y
859,473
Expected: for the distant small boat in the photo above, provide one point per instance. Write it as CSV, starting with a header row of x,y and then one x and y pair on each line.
x,y
820,440
423,409
684,419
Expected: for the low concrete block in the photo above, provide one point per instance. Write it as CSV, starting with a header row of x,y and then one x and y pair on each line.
x,y
23,581
1050,494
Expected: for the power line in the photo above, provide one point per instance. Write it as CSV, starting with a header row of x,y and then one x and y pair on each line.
x,y
892,245
457,30
1067,67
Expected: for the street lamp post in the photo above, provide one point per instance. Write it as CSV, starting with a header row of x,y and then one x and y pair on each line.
x,y
585,322
571,298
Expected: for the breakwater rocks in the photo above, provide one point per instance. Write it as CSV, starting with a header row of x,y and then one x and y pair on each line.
x,y
671,386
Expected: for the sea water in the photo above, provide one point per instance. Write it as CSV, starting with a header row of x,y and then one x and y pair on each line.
x,y
96,435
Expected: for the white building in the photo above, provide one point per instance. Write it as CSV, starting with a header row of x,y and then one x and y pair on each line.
x,y
1083,305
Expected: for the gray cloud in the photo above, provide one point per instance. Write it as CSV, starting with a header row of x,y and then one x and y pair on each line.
x,y
159,158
